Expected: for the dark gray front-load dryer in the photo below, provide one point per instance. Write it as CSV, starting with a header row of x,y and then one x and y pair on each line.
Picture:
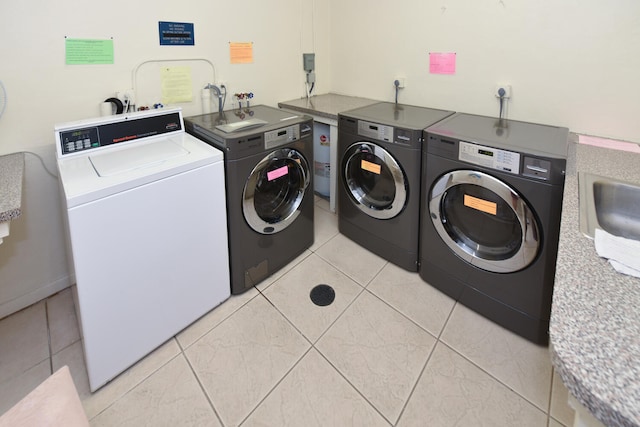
x,y
268,156
379,149
491,204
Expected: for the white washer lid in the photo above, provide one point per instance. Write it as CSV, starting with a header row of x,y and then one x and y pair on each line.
x,y
114,162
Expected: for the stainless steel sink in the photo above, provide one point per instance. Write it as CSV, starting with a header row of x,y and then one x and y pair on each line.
x,y
609,204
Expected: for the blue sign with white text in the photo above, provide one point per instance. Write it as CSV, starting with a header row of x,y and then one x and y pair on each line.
x,y
176,33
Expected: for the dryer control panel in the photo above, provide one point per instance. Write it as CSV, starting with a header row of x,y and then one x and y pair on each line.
x,y
278,137
375,131
489,157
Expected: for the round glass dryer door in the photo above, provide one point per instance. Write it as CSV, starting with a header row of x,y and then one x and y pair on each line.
x,y
484,221
274,191
374,180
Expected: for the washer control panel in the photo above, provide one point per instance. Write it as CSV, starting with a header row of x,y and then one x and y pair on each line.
x,y
375,131
79,138
278,137
489,157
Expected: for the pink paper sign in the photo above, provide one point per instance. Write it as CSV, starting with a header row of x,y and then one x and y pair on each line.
x,y
277,173
442,63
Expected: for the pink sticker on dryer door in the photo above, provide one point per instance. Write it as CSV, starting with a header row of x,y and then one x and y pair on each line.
x,y
277,173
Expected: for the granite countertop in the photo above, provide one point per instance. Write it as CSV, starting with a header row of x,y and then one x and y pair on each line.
x,y
327,105
11,172
595,317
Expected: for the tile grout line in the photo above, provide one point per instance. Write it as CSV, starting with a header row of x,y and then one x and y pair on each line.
x,y
364,289
494,378
313,346
424,367
352,385
407,316
46,314
548,413
204,391
135,385
213,327
415,385
276,385
334,321
553,370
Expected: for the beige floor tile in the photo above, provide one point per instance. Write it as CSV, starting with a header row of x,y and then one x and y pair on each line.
x,y
278,274
242,359
96,402
290,295
12,391
24,341
352,259
560,409
171,396
63,324
322,203
314,394
521,365
325,226
554,423
213,318
410,295
454,392
379,351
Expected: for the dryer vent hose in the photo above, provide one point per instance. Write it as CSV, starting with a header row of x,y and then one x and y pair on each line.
x,y
396,83
118,104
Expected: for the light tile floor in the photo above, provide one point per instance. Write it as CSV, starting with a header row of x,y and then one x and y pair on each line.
x,y
391,350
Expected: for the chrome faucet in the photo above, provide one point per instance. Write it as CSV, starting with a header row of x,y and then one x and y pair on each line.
x,y
218,92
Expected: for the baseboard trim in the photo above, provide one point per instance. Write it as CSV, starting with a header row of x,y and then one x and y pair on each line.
x,y
41,293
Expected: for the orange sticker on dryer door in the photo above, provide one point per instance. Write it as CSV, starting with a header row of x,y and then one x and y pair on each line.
x,y
480,204
371,167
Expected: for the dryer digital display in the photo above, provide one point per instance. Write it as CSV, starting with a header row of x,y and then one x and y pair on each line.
x,y
489,157
375,131
278,137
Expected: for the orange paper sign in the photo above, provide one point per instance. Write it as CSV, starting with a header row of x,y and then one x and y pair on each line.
x,y
480,204
371,167
241,53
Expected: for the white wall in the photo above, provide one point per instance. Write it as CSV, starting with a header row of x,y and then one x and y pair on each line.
x,y
574,63
43,91
33,260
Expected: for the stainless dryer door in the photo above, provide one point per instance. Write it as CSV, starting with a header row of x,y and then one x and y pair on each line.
x,y
374,180
484,221
274,191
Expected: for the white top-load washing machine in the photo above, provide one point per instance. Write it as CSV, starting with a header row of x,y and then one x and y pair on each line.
x,y
145,205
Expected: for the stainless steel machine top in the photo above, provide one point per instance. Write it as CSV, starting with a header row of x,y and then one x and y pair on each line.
x,y
511,135
231,125
398,115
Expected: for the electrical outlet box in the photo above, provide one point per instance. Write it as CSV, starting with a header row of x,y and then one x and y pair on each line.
x,y
309,61
507,90
401,82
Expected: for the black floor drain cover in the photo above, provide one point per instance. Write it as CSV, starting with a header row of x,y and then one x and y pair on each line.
x,y
322,295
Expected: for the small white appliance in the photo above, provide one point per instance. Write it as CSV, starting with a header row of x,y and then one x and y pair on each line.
x,y
145,204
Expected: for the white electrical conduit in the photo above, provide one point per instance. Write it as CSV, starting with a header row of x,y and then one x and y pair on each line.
x,y
134,73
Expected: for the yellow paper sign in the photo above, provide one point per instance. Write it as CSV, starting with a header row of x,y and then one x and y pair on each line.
x,y
480,204
241,53
176,85
371,167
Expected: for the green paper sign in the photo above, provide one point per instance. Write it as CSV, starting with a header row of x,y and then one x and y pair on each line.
x,y
88,51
